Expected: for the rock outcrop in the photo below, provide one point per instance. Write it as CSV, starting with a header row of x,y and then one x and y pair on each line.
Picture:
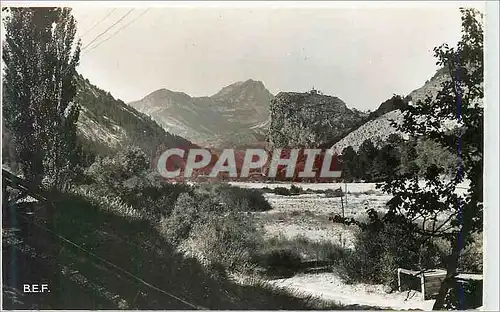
x,y
309,120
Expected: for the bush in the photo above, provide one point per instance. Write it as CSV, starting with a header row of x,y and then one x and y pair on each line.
x,y
471,258
293,190
279,261
127,177
236,198
124,165
296,190
282,191
378,252
149,192
210,230
334,193
225,240
187,211
315,253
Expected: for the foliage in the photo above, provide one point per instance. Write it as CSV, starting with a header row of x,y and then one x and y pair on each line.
x,y
293,190
127,177
279,261
382,248
215,231
454,119
242,199
226,240
350,168
395,156
38,89
134,245
286,256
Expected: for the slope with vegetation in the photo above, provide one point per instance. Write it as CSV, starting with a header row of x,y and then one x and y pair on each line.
x,y
107,124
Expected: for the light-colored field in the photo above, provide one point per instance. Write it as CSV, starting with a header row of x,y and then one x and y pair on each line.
x,y
307,215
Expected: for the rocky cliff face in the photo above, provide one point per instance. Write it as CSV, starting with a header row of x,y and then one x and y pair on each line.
x,y
309,120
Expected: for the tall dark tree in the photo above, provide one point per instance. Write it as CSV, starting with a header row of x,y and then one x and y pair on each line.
x,y
41,56
350,168
366,158
454,119
386,162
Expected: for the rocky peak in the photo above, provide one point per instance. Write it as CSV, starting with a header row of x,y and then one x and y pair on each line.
x,y
309,120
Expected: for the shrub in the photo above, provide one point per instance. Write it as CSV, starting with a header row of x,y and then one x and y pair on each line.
x,y
334,193
471,258
124,165
316,253
126,176
296,190
187,211
236,198
378,252
293,190
281,191
149,192
279,261
225,240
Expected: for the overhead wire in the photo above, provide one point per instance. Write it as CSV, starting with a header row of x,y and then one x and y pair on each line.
x,y
107,29
98,22
116,32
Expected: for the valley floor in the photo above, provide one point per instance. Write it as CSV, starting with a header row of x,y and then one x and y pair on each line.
x,y
306,215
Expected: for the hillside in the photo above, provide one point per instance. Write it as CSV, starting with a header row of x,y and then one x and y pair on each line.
x,y
309,120
236,115
378,125
107,124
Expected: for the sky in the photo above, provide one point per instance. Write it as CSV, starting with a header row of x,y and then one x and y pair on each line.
x,y
361,53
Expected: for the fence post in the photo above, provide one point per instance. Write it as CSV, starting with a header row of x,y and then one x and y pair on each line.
x,y
399,279
422,283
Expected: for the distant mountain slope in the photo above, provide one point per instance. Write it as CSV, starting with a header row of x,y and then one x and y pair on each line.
x,y
378,125
106,124
236,115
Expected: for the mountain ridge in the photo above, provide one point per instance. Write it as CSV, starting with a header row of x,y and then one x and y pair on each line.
x,y
231,117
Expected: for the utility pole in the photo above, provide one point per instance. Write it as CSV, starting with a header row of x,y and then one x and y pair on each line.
x,y
342,204
345,185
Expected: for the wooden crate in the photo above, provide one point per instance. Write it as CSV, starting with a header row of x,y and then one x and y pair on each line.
x,y
428,282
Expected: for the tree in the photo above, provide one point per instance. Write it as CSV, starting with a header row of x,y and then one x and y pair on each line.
x,y
386,162
38,89
350,164
458,105
366,158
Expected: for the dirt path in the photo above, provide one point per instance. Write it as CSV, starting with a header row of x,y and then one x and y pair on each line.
x,y
329,287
